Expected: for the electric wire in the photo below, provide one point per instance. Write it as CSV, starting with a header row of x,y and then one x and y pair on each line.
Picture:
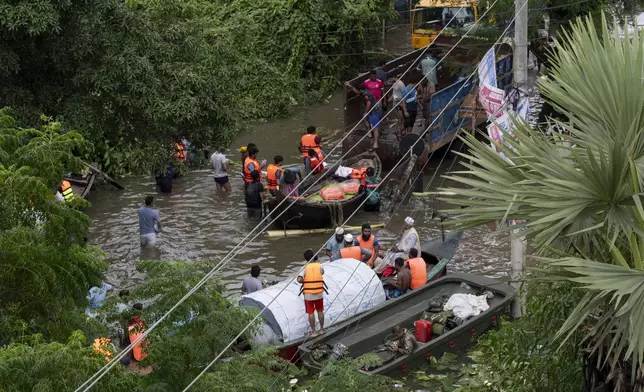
x,y
316,253
99,374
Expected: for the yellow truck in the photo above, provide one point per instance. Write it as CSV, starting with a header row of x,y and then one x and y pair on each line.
x,y
430,16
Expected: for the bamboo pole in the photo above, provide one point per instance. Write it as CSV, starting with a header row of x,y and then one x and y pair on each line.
x,y
293,233
431,194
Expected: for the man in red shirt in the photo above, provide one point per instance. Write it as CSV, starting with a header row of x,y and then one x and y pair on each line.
x,y
374,85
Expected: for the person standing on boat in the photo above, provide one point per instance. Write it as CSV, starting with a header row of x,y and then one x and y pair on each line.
x,y
418,269
274,174
335,244
313,288
219,164
350,251
253,196
149,223
369,241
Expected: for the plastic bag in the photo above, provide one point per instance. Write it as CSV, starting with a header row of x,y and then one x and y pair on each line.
x,y
335,192
351,186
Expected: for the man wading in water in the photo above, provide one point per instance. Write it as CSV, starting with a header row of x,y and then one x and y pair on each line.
x,y
149,223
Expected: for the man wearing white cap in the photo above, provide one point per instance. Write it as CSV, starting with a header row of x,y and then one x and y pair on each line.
x,y
333,245
351,251
410,239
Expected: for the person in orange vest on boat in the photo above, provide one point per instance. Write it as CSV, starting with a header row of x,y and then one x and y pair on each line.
x,y
370,242
251,164
308,142
313,163
418,269
66,190
136,329
274,175
351,251
313,287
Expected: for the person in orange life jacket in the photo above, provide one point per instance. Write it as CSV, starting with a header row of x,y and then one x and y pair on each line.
x,y
135,329
350,251
308,142
313,163
244,152
274,175
181,151
251,164
418,269
370,242
313,288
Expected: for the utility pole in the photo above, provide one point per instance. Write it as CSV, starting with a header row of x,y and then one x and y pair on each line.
x,y
519,245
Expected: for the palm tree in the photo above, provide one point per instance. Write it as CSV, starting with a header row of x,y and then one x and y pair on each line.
x,y
583,207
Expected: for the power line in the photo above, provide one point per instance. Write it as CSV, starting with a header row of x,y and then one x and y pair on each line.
x,y
107,367
357,209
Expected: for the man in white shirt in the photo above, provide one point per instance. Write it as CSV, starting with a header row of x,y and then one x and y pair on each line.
x,y
219,164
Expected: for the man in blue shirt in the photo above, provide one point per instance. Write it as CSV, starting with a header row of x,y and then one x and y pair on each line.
x,y
334,244
149,223
409,107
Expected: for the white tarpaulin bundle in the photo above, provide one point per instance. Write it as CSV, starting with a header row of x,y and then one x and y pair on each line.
x,y
286,316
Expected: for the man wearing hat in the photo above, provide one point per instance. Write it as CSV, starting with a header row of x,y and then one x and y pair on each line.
x,y
333,245
410,239
350,251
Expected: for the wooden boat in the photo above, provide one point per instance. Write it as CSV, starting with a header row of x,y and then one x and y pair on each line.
x,y
314,213
82,183
437,253
369,330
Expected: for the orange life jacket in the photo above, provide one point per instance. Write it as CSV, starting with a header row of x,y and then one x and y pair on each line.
x,y
66,190
136,330
352,252
316,165
313,281
271,176
368,245
181,156
360,174
319,153
308,142
418,270
247,177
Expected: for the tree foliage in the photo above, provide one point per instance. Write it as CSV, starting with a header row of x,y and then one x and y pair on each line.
x,y
46,268
580,191
131,75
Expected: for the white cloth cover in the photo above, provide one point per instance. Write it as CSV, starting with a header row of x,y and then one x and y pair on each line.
x,y
343,171
286,315
466,305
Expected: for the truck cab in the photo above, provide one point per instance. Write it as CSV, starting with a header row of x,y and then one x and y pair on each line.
x,y
431,16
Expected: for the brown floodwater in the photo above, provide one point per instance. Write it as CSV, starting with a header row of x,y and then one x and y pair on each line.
x,y
200,224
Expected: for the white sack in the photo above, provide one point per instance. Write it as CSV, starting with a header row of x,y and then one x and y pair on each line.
x,y
286,316
465,306
343,171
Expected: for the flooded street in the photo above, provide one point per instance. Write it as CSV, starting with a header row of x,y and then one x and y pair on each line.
x,y
199,224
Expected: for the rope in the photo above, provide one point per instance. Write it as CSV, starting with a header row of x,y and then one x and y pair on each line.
x,y
318,251
107,367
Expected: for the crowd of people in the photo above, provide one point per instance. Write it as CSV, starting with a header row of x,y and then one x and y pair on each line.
x,y
401,268
408,98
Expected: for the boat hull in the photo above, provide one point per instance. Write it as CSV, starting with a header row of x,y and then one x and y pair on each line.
x,y
437,253
370,329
